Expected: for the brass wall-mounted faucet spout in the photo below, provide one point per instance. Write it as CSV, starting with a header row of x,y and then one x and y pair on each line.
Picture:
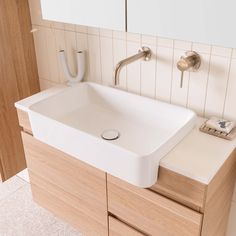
x,y
191,61
144,53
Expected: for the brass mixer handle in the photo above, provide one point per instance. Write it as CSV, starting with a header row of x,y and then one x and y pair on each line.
x,y
181,79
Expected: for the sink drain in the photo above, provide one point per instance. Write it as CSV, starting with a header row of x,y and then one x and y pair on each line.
x,y
110,134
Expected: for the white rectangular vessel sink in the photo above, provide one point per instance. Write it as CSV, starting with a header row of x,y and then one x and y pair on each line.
x,y
142,130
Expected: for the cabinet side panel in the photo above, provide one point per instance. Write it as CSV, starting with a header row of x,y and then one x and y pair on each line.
x,y
218,200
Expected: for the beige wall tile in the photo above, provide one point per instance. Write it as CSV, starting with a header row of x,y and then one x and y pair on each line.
x,y
133,69
94,55
71,48
52,58
165,42
149,40
179,95
201,48
70,27
198,86
41,52
106,33
81,29
94,31
217,83
148,75
57,25
164,73
106,61
133,37
221,51
183,45
230,103
46,84
119,35
119,53
60,45
234,54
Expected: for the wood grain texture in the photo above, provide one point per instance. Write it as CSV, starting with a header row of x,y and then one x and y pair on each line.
x,y
151,212
141,208
69,188
24,121
71,214
118,228
218,200
180,188
17,57
32,80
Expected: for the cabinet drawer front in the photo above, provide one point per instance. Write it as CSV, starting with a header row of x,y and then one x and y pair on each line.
x,y
180,188
118,228
79,186
150,212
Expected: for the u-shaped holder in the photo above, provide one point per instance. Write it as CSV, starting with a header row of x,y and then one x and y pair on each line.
x,y
72,79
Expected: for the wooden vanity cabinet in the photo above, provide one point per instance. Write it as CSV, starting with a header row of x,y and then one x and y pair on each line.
x,y
155,214
71,189
150,212
99,204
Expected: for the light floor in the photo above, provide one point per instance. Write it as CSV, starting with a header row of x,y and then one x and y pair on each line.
x,y
20,216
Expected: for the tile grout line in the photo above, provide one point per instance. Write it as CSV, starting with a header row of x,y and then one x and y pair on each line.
x,y
100,57
87,59
227,84
189,81
64,38
126,70
47,49
140,67
172,72
207,84
129,40
156,84
47,80
57,61
113,58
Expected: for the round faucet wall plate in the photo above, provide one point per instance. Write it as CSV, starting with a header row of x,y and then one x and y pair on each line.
x,y
110,134
148,53
197,60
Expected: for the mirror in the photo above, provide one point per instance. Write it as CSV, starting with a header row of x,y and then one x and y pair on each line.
x,y
102,14
204,21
